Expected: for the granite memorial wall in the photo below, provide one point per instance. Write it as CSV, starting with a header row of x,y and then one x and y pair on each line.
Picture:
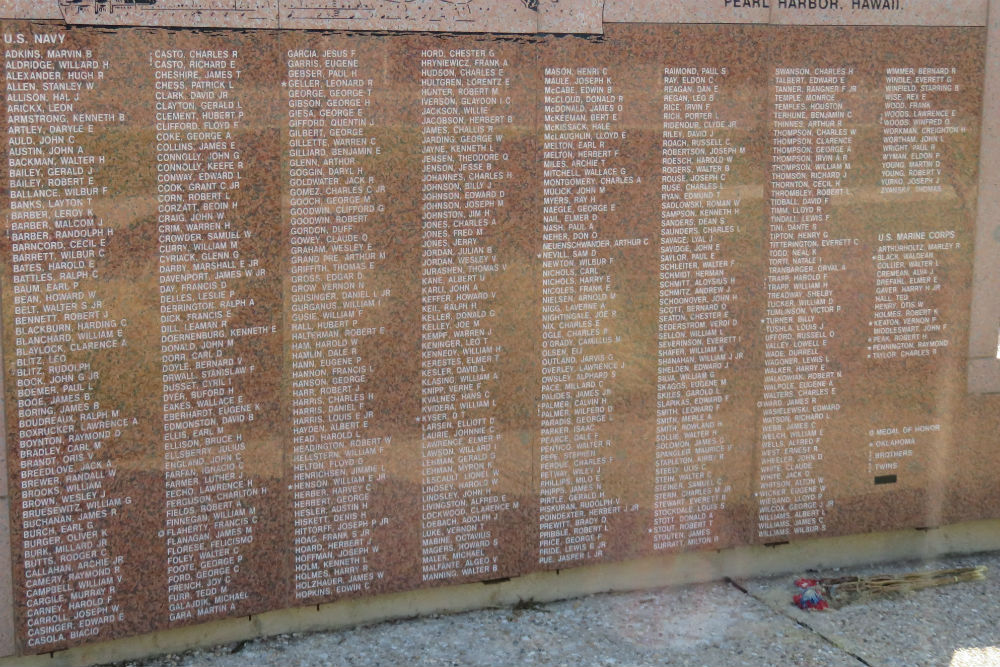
x,y
303,301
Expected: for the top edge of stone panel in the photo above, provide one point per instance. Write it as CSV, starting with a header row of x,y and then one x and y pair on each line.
x,y
880,12
494,16
571,16
172,13
686,11
29,9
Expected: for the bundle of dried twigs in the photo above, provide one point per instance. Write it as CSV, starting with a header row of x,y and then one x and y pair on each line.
x,y
818,594
842,590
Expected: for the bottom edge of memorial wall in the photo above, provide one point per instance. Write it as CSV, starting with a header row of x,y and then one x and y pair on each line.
x,y
651,572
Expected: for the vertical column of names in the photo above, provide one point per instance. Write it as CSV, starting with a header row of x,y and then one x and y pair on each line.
x,y
204,273
579,365
62,332
913,128
466,109
334,201
812,147
906,322
696,327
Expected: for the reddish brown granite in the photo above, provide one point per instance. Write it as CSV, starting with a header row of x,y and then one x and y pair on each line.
x,y
634,60
8,645
4,485
393,355
130,379
908,409
949,477
506,313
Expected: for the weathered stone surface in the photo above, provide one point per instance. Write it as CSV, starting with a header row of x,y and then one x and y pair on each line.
x,y
506,16
291,317
881,12
571,16
30,9
181,13
684,11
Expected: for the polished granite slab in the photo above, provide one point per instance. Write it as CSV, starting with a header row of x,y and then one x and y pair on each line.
x,y
297,316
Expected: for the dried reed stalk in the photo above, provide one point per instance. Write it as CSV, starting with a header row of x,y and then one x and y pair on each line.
x,y
843,590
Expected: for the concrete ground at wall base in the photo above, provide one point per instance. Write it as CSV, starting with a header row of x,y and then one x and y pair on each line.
x,y
694,623
730,623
